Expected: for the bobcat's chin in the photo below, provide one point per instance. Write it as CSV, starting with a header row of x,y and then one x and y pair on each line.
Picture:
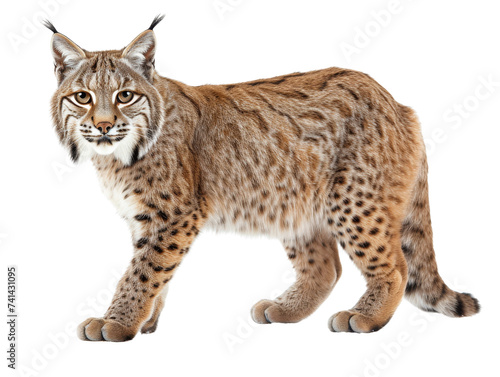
x,y
105,148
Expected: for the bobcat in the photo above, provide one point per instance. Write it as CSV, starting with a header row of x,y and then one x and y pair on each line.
x,y
314,159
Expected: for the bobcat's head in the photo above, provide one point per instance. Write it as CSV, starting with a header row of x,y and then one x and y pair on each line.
x,y
106,101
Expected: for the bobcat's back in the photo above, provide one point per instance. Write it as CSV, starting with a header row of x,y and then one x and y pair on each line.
x,y
270,151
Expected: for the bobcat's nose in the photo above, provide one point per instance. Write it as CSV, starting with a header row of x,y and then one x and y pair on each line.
x,y
104,127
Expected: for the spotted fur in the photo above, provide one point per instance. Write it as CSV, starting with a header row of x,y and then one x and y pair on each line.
x,y
314,159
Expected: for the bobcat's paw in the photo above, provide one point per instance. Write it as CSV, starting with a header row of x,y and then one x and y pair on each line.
x,y
353,321
258,311
99,329
150,326
268,311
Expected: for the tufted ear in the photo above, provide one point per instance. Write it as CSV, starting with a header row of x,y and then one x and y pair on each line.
x,y
67,55
140,53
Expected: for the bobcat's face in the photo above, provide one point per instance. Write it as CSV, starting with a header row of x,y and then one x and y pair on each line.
x,y
106,103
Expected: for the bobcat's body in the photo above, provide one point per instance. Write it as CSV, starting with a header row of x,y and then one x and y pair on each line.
x,y
311,158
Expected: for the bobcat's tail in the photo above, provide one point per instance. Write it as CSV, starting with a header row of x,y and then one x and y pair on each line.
x,y
425,288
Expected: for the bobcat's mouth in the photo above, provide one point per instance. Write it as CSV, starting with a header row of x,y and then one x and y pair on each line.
x,y
104,139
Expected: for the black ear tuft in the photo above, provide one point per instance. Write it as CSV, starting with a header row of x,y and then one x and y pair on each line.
x,y
156,21
49,26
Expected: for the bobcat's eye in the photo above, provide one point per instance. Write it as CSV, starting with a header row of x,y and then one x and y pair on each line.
x,y
83,98
125,96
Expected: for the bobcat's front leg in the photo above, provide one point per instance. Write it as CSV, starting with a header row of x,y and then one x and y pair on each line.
x,y
164,240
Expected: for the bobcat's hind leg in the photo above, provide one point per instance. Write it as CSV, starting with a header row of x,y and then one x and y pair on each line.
x,y
370,235
318,268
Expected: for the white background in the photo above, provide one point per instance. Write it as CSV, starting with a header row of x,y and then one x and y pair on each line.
x,y
70,246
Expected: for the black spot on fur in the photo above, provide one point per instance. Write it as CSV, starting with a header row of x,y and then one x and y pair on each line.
x,y
170,268
135,155
141,242
459,309
339,180
74,152
163,215
158,249
411,287
406,249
